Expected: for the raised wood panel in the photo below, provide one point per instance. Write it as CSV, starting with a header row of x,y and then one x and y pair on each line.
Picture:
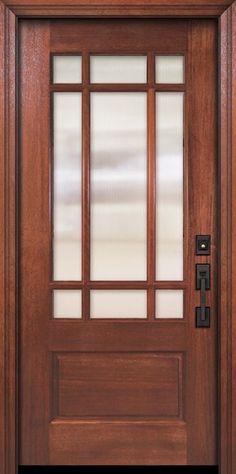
x,y
118,384
119,443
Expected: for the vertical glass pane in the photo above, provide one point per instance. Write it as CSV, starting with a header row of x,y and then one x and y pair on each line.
x,y
67,186
118,69
67,303
118,304
169,303
169,186
118,186
67,69
170,69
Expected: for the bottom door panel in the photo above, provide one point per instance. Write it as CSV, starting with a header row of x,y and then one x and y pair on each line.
x,y
118,384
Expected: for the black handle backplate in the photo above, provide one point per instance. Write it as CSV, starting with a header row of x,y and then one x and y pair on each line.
x,y
203,284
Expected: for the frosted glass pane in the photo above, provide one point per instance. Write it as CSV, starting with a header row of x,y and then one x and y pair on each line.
x,y
169,186
67,186
169,303
67,303
118,69
170,69
67,69
118,186
118,304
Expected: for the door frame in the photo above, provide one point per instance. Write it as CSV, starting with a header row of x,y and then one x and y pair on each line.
x,y
10,13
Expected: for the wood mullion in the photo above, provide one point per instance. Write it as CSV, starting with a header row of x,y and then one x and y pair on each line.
x,y
117,87
85,187
119,285
151,190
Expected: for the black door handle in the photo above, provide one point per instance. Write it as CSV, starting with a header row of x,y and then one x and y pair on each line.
x,y
203,284
203,300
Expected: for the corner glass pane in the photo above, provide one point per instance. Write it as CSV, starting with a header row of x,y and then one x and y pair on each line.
x,y
169,69
67,186
67,303
169,185
118,304
67,69
169,303
118,69
118,186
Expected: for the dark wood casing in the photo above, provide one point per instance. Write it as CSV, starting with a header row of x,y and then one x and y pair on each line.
x,y
9,217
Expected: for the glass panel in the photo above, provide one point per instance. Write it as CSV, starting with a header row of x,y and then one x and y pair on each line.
x,y
169,186
67,303
118,186
118,69
170,69
67,69
169,303
67,186
118,304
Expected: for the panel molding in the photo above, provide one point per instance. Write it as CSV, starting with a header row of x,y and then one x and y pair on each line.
x,y
118,7
73,371
10,12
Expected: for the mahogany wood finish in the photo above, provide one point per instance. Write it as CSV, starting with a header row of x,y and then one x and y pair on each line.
x,y
166,363
10,13
227,237
113,442
114,385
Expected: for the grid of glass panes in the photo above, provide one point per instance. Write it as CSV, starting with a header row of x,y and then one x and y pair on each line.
x,y
118,188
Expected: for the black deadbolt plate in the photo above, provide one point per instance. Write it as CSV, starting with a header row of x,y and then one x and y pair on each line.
x,y
203,244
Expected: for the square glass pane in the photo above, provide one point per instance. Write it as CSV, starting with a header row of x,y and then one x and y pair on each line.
x,y
169,303
118,186
67,186
169,185
67,303
67,69
118,304
118,69
169,69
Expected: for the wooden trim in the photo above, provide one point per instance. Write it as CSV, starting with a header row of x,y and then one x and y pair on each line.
x,y
8,320
10,11
93,8
227,257
92,11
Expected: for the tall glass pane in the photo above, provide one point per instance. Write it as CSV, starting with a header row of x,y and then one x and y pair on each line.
x,y
118,186
67,186
169,185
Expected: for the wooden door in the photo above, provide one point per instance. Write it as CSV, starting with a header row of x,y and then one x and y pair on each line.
x,y
118,168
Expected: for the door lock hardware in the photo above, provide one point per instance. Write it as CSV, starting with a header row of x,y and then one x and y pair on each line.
x,y
203,284
203,244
